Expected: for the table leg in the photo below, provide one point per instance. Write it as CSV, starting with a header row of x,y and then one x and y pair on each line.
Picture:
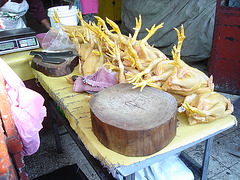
x,y
96,164
55,126
206,157
130,177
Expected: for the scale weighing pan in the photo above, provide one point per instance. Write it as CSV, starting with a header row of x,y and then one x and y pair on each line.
x,y
17,40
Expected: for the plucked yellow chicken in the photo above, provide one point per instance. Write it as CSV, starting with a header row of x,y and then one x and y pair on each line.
x,y
159,70
206,107
186,81
140,64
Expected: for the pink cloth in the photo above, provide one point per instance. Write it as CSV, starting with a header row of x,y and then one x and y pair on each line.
x,y
95,82
89,6
27,109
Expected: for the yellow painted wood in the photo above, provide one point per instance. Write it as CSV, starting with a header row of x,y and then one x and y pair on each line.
x,y
19,62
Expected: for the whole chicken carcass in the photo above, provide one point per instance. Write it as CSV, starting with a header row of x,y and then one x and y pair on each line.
x,y
89,65
147,53
138,52
93,59
186,81
161,67
206,107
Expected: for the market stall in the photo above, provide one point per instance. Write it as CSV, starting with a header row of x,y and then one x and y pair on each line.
x,y
109,59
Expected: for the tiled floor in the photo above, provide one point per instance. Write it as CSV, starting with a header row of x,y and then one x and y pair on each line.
x,y
223,165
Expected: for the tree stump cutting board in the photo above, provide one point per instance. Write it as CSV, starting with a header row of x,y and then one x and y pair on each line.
x,y
55,70
131,122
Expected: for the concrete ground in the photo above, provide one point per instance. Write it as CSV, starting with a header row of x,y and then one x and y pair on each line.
x,y
223,164
47,159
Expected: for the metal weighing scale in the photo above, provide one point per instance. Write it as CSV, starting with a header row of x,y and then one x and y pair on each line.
x,y
17,40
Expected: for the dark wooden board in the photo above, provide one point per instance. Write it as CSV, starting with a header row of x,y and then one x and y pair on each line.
x,y
55,70
131,122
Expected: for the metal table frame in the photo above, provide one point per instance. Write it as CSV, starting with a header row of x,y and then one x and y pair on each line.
x,y
200,171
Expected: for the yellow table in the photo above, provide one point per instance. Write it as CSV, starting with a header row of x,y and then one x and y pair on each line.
x,y
19,62
76,109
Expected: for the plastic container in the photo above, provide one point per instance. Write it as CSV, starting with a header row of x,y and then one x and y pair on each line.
x,y
66,16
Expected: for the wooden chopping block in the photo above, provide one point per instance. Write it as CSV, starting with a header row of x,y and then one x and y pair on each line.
x,y
55,70
131,122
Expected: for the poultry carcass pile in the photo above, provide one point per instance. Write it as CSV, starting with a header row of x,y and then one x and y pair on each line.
x,y
140,64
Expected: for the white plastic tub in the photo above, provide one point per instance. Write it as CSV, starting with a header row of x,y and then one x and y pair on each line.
x,y
66,16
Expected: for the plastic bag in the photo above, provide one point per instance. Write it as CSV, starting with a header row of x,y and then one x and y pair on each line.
x,y
171,168
56,40
27,109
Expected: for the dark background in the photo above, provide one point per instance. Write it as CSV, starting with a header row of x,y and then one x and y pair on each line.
x,y
33,24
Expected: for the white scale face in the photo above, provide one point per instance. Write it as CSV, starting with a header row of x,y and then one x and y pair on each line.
x,y
16,45
18,40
